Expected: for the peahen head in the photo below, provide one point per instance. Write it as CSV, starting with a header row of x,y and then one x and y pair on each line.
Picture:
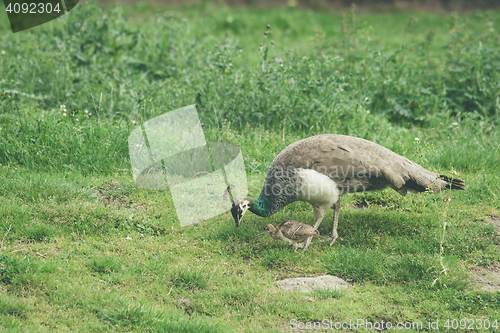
x,y
239,209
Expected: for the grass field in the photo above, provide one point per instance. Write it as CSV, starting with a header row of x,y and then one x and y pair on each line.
x,y
82,248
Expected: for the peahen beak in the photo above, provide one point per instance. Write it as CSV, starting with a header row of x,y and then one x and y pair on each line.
x,y
236,214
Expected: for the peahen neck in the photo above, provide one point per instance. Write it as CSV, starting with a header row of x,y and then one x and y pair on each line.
x,y
262,207
273,196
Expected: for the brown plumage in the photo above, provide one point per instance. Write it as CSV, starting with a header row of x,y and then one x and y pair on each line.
x,y
320,169
345,158
291,231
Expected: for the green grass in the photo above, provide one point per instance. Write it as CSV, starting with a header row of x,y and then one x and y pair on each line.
x,y
82,248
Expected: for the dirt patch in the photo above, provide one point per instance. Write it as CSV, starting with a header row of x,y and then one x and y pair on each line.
x,y
110,195
488,278
308,284
495,220
186,305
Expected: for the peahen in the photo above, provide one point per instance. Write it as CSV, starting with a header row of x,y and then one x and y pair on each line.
x,y
320,169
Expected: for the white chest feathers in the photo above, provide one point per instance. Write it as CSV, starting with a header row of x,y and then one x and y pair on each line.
x,y
316,188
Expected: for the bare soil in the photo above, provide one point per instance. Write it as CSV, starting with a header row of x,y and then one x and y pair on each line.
x,y
488,278
495,220
108,195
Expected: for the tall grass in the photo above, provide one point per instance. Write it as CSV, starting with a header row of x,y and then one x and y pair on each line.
x,y
110,75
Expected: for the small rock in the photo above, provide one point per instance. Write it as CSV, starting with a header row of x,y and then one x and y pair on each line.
x,y
308,284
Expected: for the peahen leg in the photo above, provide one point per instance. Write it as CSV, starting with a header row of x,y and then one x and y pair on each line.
x,y
320,213
336,211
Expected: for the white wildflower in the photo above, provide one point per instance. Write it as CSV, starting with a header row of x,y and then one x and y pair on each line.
x,y
3,52
455,124
86,111
417,139
64,114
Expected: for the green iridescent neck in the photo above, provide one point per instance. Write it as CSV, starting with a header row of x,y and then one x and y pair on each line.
x,y
261,207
